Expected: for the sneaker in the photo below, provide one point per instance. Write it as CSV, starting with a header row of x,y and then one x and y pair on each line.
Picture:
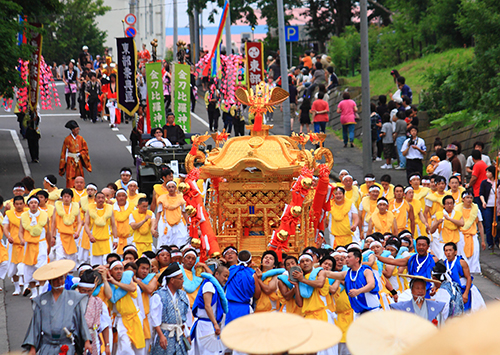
x,y
400,168
385,166
16,293
389,167
352,145
378,159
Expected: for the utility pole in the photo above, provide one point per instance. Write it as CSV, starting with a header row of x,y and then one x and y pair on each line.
x,y
365,90
229,44
284,67
175,31
201,29
196,48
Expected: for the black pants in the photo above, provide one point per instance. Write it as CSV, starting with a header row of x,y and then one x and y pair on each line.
x,y
413,166
193,101
70,100
239,127
83,112
32,137
213,120
93,110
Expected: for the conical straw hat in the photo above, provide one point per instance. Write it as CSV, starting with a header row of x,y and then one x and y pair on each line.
x,y
324,336
388,333
54,270
266,333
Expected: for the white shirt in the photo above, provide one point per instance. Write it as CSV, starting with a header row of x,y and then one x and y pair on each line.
x,y
155,143
155,311
412,152
207,288
444,169
484,157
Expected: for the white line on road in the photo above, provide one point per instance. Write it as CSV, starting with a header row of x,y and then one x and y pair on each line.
x,y
199,119
122,137
129,148
46,114
20,151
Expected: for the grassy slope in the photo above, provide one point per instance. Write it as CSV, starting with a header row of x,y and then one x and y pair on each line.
x,y
381,82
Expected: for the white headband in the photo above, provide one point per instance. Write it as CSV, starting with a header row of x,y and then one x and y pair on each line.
x,y
414,177
341,249
190,252
246,263
91,186
125,172
123,191
115,263
175,253
171,182
18,188
375,243
133,182
408,188
344,254
305,256
343,171
174,274
374,187
86,285
379,202
369,179
48,181
406,234
392,245
368,238
347,176
130,247
426,181
85,267
354,246
230,248
334,254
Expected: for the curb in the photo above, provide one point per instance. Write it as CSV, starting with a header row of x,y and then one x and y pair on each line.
x,y
490,273
4,338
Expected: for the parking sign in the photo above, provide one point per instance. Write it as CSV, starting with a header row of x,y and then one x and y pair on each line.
x,y
292,33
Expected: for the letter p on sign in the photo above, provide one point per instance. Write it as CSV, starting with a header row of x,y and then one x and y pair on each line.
x,y
292,33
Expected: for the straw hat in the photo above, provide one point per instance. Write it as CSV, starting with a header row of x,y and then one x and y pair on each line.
x,y
469,334
266,333
388,333
324,336
418,277
54,270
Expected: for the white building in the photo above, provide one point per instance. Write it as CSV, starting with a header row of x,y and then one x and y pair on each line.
x,y
150,23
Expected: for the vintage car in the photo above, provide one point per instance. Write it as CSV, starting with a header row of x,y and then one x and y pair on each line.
x,y
150,162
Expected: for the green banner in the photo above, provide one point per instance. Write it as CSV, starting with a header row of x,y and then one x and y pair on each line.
x,y
156,104
182,96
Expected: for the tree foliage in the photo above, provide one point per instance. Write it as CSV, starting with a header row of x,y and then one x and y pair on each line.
x,y
74,27
33,11
470,92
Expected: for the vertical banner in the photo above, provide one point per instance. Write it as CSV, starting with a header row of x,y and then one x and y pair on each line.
x,y
34,65
255,63
156,104
182,96
128,100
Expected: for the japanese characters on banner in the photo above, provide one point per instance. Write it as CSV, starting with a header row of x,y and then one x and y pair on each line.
x,y
182,96
255,63
128,100
156,104
34,66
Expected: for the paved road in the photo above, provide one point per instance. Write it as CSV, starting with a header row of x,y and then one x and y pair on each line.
x,y
109,151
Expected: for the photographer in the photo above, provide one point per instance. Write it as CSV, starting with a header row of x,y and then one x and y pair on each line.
x,y
413,149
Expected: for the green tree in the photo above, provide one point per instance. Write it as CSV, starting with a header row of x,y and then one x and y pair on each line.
x,y
74,27
32,11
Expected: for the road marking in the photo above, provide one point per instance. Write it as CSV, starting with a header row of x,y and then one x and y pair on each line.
x,y
205,123
46,113
20,151
129,148
122,137
115,129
